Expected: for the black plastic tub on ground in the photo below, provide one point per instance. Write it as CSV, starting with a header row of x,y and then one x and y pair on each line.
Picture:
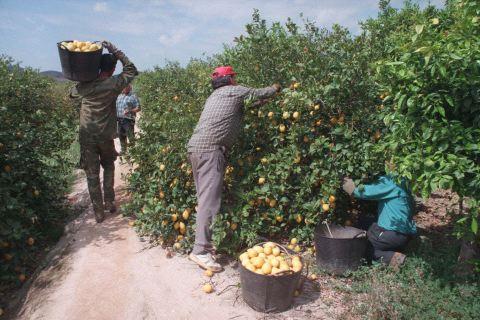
x,y
268,293
344,250
79,66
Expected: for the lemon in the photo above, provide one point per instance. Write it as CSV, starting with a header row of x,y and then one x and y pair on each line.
x,y
273,203
286,115
296,85
252,253
259,271
325,207
174,217
207,288
297,248
270,114
279,218
244,256
276,251
269,244
176,225
186,214
257,262
296,115
291,246
261,180
262,255
275,270
267,268
282,128
208,273
274,262
294,241
259,249
331,199
316,107
267,250
162,167
298,218
250,267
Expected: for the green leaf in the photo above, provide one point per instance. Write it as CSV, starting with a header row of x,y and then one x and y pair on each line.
x,y
474,225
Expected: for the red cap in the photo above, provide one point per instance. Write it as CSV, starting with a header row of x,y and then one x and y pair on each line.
x,y
222,72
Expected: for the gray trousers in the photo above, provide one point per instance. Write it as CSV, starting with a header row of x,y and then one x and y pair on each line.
x,y
208,172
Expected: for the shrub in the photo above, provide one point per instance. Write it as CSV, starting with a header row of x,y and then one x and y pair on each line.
x,y
37,127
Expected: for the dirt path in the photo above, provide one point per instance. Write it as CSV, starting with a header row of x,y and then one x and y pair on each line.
x,y
105,271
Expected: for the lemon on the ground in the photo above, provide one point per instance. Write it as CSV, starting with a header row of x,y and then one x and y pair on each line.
x,y
325,207
207,288
208,273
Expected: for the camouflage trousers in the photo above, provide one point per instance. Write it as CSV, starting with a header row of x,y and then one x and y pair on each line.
x,y
91,157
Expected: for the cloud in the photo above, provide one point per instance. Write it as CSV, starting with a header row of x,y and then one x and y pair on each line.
x,y
175,37
100,7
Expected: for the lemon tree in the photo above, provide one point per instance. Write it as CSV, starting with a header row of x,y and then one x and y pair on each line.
x,y
38,127
284,173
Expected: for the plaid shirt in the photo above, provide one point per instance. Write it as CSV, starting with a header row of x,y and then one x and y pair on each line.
x,y
222,117
127,102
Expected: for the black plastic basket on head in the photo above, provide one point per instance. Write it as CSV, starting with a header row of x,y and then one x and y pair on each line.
x,y
79,66
339,249
268,293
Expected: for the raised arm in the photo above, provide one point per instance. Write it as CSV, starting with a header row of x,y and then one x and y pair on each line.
x,y
262,93
129,70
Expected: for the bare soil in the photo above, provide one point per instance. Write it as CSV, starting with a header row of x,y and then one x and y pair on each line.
x,y
105,271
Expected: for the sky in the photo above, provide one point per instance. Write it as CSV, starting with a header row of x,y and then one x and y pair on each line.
x,y
152,32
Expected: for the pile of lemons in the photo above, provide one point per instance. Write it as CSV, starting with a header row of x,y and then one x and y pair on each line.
x,y
269,259
81,46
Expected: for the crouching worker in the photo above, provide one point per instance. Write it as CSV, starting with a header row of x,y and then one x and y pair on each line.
x,y
98,127
394,228
217,130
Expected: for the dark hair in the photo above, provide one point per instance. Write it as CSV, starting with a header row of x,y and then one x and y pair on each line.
x,y
221,82
107,62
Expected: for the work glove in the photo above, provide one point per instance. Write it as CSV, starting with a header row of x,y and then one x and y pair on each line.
x,y
348,185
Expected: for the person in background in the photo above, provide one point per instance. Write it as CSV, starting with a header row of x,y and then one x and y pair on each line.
x,y
98,127
217,130
394,227
127,108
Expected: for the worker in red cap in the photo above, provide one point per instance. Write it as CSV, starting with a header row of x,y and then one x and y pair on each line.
x,y
217,130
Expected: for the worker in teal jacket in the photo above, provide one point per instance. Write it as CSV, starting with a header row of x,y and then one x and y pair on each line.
x,y
395,226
